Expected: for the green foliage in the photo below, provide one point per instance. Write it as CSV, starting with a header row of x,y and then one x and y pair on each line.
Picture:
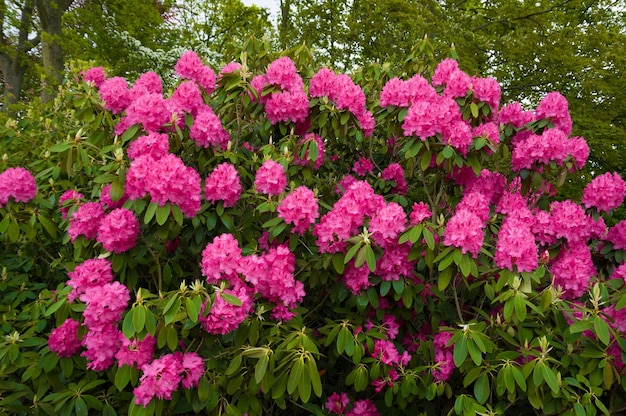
x,y
512,344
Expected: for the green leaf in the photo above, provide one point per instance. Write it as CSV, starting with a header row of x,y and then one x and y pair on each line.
x,y
261,368
122,377
313,151
130,133
601,328
60,147
519,378
448,152
352,252
338,262
117,190
474,110
314,376
459,354
232,299
139,318
152,207
128,327
481,389
294,375
370,257
520,307
580,326
550,378
430,240
162,214
193,308
48,225
14,231
444,278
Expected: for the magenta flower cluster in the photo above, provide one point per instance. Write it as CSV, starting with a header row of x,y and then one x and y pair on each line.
x,y
17,184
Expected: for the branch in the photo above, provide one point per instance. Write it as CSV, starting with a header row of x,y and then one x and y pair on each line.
x,y
527,16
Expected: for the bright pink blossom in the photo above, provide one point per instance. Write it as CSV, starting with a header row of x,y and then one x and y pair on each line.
x,y
224,317
135,353
514,114
363,166
488,91
165,180
65,204
388,223
187,99
106,201
395,172
190,66
118,231
420,211
464,230
605,192
356,279
394,263
154,144
221,259
86,221
230,68
150,110
207,130
114,92
105,304
304,161
92,273
287,106
617,235
270,178
337,403
101,344
18,184
95,75
223,184
64,339
160,378
554,107
299,208
516,249
573,269
363,408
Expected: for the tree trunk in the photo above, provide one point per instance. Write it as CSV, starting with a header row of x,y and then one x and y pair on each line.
x,y
13,73
284,27
50,14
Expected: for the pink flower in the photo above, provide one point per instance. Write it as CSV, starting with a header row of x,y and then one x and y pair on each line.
x,y
386,352
224,317
114,92
394,262
573,269
554,107
287,106
299,208
230,68
221,259
444,362
166,180
150,110
154,144
68,200
106,201
552,145
17,183
193,368
444,71
270,179
86,221
105,304
516,249
569,221
387,223
617,235
187,98
579,149
101,344
92,273
283,72
489,131
207,130
488,91
514,114
337,403
464,230
64,339
160,378
190,66
605,192
317,163
363,408
619,272
419,213
118,231
223,184
363,166
135,353
394,172
147,83
96,76
356,279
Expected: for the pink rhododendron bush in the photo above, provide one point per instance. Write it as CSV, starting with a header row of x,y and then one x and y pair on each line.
x,y
275,241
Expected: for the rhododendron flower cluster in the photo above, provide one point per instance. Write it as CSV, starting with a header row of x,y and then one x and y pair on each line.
x,y
394,172
321,154
573,269
224,317
166,179
223,184
270,178
363,166
290,103
270,275
65,204
18,184
64,339
164,375
107,202
153,144
420,211
135,353
299,208
189,66
444,362
89,274
617,235
118,231
605,192
86,220
345,94
207,130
